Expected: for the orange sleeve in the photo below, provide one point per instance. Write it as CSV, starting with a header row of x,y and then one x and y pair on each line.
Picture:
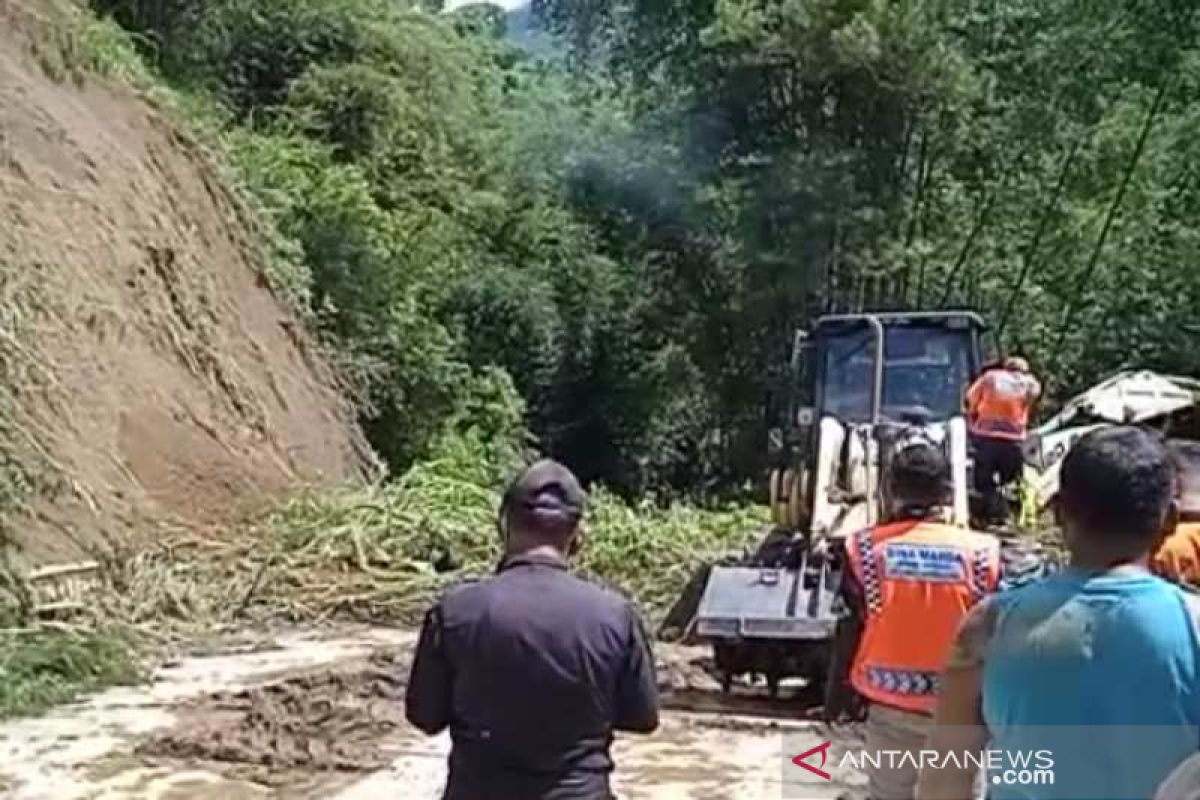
x,y
1178,558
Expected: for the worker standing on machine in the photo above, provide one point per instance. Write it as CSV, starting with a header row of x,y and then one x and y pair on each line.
x,y
999,404
909,584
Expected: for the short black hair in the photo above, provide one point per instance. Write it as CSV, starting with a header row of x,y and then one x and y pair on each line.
x,y
920,475
1118,483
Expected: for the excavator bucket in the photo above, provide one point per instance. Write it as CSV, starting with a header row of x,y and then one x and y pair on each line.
x,y
769,602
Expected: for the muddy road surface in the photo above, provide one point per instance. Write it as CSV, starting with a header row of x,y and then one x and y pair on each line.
x,y
320,715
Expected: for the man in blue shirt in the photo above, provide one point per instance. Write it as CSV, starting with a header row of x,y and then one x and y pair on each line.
x,y
1099,665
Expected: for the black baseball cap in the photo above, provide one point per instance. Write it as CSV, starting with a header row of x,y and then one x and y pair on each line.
x,y
547,489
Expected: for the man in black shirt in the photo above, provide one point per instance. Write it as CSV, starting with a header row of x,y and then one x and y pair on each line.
x,y
533,669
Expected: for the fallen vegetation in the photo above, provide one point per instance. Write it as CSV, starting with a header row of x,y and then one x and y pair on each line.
x,y
385,552
379,554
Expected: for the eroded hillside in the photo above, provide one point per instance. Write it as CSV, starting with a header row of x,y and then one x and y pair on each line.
x,y
148,375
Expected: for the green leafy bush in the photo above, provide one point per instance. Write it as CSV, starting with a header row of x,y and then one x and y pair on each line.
x,y
44,668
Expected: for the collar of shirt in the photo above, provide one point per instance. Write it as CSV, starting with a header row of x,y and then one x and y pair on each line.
x,y
533,560
922,514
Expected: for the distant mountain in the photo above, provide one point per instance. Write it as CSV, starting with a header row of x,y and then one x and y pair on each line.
x,y
524,31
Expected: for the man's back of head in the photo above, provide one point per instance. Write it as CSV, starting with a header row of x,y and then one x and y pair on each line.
x,y
1016,364
1116,491
919,478
543,506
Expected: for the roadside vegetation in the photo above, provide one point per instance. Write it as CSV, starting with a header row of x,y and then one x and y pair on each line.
x,y
602,246
385,553
44,667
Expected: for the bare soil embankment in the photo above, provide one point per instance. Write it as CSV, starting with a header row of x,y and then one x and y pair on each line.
x,y
150,375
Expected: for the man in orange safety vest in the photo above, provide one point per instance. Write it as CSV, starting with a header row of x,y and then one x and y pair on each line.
x,y
909,584
999,404
1178,557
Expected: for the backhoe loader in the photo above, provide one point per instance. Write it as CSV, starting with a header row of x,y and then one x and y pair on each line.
x,y
868,385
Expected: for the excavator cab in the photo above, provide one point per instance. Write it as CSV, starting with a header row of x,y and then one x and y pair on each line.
x,y
866,368
864,383
869,385
924,365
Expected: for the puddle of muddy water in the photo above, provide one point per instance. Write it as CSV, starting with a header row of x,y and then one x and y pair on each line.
x,y
167,784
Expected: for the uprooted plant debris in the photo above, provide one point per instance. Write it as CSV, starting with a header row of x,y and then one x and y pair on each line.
x,y
275,735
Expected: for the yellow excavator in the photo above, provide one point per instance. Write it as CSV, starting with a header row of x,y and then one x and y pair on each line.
x,y
867,385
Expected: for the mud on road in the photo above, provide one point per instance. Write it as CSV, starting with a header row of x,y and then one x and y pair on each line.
x,y
321,716
293,733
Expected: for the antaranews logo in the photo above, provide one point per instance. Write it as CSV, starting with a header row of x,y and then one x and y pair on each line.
x,y
802,760
818,764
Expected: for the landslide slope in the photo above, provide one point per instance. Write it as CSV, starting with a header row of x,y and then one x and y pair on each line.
x,y
148,375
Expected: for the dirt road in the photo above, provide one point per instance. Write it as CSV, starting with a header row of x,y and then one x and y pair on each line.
x,y
320,716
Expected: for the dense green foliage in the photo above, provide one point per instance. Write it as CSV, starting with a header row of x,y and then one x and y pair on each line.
x,y
611,253
415,167
1026,158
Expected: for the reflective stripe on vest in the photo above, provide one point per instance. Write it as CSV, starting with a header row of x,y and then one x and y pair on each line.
x,y
869,577
999,429
981,573
919,579
913,683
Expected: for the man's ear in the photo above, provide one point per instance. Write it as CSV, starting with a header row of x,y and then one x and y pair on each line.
x,y
1061,520
502,522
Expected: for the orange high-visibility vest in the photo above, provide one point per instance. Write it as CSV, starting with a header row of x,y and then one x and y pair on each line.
x,y
999,403
919,580
1178,558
